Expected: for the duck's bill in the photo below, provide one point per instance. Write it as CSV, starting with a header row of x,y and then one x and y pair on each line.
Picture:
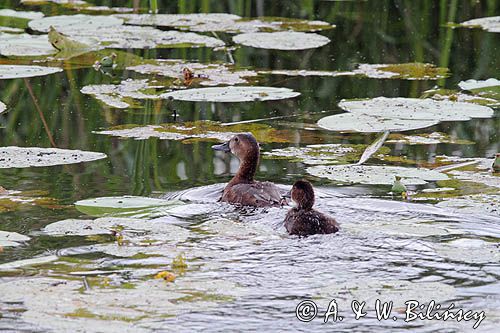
x,y
222,147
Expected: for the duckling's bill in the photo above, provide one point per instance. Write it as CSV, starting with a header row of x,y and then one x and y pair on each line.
x,y
222,147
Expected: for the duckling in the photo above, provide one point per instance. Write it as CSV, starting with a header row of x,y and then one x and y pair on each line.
x,y
303,220
108,61
243,189
496,163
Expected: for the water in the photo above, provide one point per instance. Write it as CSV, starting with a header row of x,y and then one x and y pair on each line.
x,y
243,271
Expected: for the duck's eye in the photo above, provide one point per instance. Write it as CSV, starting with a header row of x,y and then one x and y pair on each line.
x,y
235,139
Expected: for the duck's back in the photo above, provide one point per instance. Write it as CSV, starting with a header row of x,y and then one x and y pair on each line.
x,y
258,194
309,222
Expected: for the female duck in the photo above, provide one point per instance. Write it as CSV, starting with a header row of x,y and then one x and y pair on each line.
x,y
243,189
303,220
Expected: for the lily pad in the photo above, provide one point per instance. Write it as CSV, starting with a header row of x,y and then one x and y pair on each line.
x,y
11,239
231,94
67,23
285,40
491,24
358,122
224,22
3,107
376,174
25,45
407,71
22,71
318,154
21,14
121,205
205,74
111,33
11,30
478,84
416,109
21,157
433,138
11,200
116,95
199,130
109,225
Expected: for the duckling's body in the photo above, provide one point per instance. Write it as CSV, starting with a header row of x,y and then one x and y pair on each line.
x,y
243,189
303,220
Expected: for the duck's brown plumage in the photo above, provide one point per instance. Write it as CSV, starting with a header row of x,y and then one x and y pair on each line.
x,y
243,189
303,220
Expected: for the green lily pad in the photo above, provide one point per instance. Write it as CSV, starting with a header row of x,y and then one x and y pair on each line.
x,y
491,24
458,96
130,227
27,262
21,157
116,96
68,23
197,130
205,74
318,154
223,22
11,239
433,138
11,200
416,109
231,94
284,40
478,84
121,205
358,122
22,71
375,174
3,107
111,33
407,71
21,14
25,45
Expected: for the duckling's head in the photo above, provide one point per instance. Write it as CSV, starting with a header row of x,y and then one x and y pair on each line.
x,y
303,194
242,145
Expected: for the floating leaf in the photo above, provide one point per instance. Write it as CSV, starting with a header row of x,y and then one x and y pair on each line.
x,y
475,84
10,239
286,40
59,2
231,94
21,14
11,200
110,32
457,96
357,122
433,138
11,30
24,45
416,109
3,107
375,174
318,154
21,157
205,74
27,262
22,71
407,71
491,23
121,205
67,23
114,95
223,22
201,130
134,232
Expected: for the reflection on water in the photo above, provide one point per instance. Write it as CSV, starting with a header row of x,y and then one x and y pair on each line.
x,y
243,269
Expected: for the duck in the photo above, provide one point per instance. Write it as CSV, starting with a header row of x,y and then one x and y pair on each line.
x,y
496,163
303,220
242,189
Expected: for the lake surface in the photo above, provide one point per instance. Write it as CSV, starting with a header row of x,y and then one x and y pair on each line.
x,y
242,271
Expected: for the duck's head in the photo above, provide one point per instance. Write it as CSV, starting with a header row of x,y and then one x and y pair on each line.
x,y
302,194
243,145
